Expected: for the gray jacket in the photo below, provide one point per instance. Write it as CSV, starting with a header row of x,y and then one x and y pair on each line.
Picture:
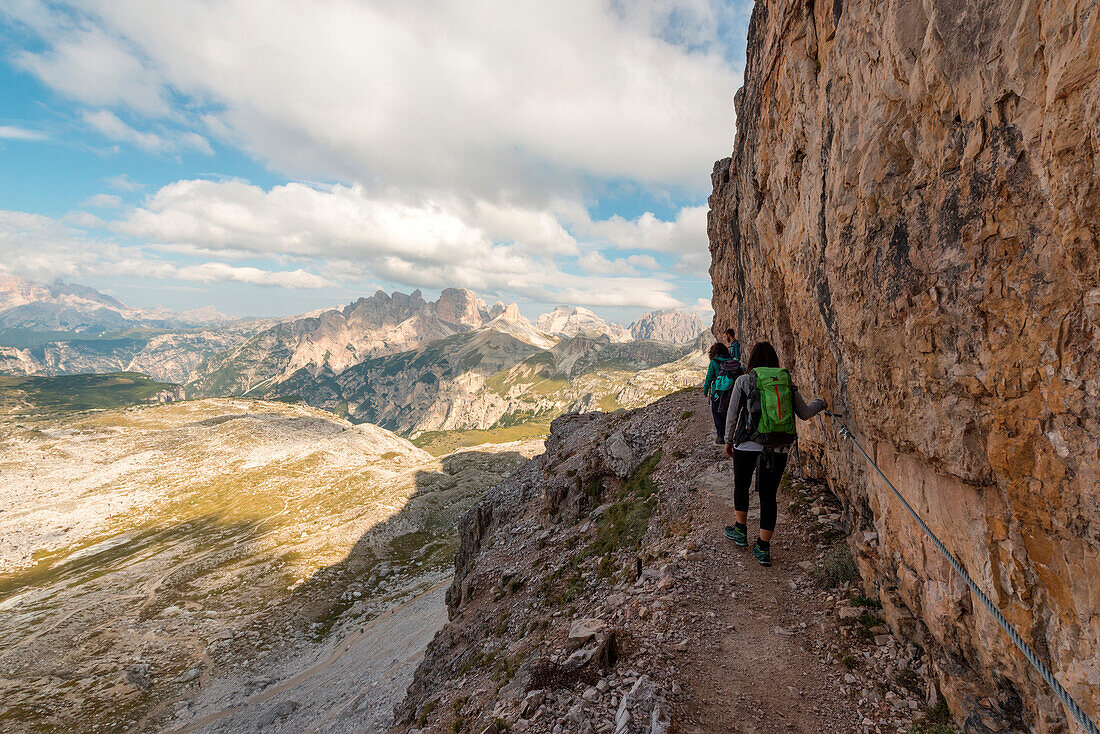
x,y
745,395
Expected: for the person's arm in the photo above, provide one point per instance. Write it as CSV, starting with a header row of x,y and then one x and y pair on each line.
x,y
804,411
710,378
736,399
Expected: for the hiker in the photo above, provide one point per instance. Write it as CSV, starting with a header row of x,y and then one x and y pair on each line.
x,y
760,427
721,374
718,354
733,344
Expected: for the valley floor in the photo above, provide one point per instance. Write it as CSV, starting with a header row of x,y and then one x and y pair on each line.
x,y
352,684
207,565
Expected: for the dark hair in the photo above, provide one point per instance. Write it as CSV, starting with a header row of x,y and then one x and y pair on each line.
x,y
718,349
763,355
730,334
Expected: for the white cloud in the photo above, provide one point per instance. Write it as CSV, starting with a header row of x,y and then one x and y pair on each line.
x,y
213,271
90,64
645,262
111,126
340,221
41,248
359,236
685,234
595,262
430,95
103,201
122,182
468,138
11,132
703,306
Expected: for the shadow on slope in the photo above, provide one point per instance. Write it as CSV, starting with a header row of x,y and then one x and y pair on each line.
x,y
323,618
112,635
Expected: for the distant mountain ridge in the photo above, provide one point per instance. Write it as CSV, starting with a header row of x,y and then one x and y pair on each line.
x,y
564,321
392,358
668,325
339,338
64,328
488,378
69,307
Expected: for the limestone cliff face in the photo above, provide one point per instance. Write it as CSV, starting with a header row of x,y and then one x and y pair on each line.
x,y
911,215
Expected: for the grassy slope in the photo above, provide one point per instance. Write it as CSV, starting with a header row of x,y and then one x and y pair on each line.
x,y
37,395
440,443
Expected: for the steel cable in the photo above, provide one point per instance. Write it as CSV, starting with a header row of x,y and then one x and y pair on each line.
x,y
1044,672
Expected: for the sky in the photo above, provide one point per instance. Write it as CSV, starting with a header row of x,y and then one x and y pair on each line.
x,y
270,158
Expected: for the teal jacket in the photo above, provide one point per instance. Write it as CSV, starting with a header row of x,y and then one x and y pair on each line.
x,y
712,372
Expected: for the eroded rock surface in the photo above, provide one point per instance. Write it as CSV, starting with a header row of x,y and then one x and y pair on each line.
x,y
910,216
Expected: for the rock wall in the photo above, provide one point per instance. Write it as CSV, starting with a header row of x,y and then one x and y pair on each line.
x,y
910,215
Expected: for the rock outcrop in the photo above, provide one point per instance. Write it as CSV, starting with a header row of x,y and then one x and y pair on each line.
x,y
565,321
910,215
336,339
668,325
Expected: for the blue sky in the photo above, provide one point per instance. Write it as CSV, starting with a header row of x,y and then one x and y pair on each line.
x,y
274,159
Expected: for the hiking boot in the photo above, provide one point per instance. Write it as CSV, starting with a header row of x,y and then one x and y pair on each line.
x,y
763,557
738,536
719,441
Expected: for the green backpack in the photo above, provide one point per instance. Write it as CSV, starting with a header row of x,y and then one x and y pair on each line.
x,y
775,423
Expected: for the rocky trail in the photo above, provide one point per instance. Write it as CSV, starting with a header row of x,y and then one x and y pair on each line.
x,y
755,663
574,611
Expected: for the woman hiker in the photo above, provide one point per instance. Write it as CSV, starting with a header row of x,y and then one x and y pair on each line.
x,y
759,430
719,353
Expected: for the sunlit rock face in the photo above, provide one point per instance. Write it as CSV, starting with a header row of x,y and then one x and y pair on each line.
x,y
668,325
910,215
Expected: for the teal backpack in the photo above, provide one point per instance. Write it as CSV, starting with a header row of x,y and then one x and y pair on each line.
x,y
728,372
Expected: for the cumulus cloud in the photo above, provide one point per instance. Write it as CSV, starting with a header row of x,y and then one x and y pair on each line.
x,y
41,248
430,95
214,271
462,157
357,234
90,64
337,221
703,306
596,262
685,234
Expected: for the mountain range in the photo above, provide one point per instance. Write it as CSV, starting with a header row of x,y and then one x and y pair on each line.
x,y
396,360
76,309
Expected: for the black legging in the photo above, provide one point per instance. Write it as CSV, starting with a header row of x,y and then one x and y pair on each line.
x,y
767,483
719,417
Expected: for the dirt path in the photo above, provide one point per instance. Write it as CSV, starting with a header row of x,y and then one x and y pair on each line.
x,y
759,673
